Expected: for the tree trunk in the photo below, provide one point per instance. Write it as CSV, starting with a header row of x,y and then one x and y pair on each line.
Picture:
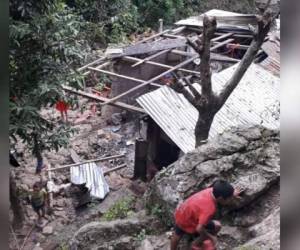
x,y
202,129
15,203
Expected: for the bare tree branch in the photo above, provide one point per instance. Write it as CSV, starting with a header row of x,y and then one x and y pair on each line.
x,y
178,86
209,28
263,28
196,94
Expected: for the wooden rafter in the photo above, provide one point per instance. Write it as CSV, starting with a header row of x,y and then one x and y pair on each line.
x,y
133,59
88,161
103,100
221,44
218,38
151,80
122,76
141,61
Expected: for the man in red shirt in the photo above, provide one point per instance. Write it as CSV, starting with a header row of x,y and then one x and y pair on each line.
x,y
194,215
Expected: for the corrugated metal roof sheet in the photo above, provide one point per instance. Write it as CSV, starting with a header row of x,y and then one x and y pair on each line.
x,y
254,101
272,49
271,65
92,176
224,19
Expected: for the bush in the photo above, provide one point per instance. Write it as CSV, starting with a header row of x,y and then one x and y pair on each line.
x,y
120,210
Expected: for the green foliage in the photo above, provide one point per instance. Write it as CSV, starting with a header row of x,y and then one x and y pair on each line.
x,y
111,21
141,235
63,246
151,11
120,210
156,211
46,46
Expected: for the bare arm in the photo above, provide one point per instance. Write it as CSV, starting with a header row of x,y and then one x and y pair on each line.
x,y
202,231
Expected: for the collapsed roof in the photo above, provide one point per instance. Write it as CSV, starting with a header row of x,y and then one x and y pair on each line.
x,y
254,101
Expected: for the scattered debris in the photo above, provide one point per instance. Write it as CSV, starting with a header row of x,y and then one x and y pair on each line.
x,y
47,230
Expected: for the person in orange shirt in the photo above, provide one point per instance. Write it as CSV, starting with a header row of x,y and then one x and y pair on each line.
x,y
194,215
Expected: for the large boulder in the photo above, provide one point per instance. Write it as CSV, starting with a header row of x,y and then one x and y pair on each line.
x,y
117,234
247,157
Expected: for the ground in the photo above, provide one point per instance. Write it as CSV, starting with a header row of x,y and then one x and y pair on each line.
x,y
94,139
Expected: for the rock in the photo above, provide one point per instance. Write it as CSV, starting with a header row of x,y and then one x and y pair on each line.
x,y
37,247
266,235
39,237
146,245
247,157
59,203
101,133
104,234
116,118
47,230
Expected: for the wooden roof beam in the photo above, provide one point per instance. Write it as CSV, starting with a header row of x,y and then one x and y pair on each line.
x,y
103,100
151,80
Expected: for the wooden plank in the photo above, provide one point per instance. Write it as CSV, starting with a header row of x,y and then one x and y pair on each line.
x,y
74,156
216,39
175,31
92,63
218,45
150,57
214,56
79,162
239,46
101,66
151,80
133,59
117,75
178,30
122,76
235,35
172,36
114,169
152,37
103,99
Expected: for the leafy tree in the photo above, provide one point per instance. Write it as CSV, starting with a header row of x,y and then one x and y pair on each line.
x,y
111,20
46,45
152,10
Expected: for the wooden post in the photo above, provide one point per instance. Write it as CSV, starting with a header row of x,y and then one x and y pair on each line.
x,y
50,180
161,25
140,161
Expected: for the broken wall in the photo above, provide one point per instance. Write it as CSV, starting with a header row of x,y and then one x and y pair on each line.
x,y
144,72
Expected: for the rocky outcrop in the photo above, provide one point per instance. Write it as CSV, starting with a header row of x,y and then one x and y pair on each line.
x,y
266,235
247,157
117,234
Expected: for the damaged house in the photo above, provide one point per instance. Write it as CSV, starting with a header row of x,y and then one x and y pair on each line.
x,y
141,75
